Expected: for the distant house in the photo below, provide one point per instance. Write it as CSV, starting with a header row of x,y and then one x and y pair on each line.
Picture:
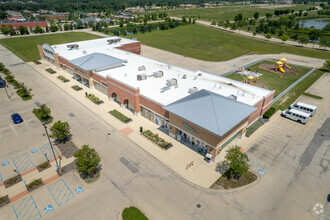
x,y
124,17
134,9
30,23
183,6
16,18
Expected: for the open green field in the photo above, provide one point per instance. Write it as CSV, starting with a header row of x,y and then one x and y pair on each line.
x,y
209,44
271,80
223,13
26,47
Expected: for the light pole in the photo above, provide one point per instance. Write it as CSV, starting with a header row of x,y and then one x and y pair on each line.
x,y
51,146
6,90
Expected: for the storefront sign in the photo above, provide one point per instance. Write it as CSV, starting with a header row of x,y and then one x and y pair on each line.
x,y
48,51
193,130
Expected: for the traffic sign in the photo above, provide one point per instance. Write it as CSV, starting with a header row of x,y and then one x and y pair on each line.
x,y
49,208
79,190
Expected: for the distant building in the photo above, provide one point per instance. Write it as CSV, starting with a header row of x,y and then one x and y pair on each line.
x,y
134,9
94,20
187,6
57,16
207,5
16,18
30,23
124,17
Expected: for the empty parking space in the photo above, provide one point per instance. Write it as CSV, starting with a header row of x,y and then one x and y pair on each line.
x,y
60,192
23,162
26,208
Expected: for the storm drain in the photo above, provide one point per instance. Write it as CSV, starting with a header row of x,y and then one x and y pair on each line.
x,y
71,115
37,104
129,165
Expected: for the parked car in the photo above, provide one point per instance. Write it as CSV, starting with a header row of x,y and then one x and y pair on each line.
x,y
16,118
2,83
296,115
309,109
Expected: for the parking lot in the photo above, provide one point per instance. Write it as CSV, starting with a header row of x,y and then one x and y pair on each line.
x,y
23,147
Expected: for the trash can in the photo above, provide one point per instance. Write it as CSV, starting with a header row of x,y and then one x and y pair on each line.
x,y
141,129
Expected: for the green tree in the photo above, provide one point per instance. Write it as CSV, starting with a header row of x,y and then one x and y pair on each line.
x,y
303,39
268,36
4,30
87,160
324,43
38,29
22,91
66,27
284,37
237,162
53,28
43,113
213,23
60,130
256,15
314,35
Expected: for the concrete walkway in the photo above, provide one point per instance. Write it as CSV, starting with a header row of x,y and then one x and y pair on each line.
x,y
177,158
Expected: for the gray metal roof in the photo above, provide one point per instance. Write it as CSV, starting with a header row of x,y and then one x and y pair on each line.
x,y
96,61
213,112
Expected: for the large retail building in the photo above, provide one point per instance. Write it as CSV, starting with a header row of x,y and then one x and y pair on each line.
x,y
200,109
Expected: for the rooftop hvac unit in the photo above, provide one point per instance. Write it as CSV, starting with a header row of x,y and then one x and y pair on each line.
x,y
192,90
233,97
115,40
171,82
72,46
158,74
142,76
184,77
141,68
84,52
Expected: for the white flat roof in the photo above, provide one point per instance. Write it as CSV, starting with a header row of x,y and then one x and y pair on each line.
x,y
152,88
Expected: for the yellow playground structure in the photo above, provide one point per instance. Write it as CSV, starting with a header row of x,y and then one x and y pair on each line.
x,y
281,64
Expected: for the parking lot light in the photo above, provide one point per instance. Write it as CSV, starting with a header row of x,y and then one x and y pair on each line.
x,y
51,146
17,172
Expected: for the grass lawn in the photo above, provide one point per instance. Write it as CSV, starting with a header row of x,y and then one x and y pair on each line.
x,y
120,116
284,102
273,80
225,183
223,13
133,213
209,44
26,47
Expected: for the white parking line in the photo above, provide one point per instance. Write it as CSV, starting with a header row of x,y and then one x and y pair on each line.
x,y
27,124
13,128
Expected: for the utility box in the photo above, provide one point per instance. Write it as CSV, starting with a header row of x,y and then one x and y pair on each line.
x,y
142,76
171,82
158,74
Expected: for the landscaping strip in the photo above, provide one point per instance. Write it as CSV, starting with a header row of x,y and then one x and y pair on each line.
x,y
94,99
63,79
156,139
4,200
225,182
34,185
12,181
77,88
120,116
43,166
50,70
312,95
133,213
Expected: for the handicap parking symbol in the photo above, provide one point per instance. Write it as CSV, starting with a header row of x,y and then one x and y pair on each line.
x,y
79,190
261,172
5,163
49,208
34,151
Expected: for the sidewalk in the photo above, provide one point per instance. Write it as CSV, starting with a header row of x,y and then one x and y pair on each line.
x,y
176,158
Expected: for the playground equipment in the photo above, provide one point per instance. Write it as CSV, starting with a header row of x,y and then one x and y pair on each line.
x,y
248,76
281,64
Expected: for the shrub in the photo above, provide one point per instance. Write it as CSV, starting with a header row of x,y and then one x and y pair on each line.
x,y
50,70
94,99
62,78
269,113
77,88
43,114
60,130
87,160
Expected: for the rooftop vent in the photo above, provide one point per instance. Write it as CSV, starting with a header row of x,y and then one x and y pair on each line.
x,y
233,97
113,41
192,90
171,82
184,77
158,74
72,46
84,52
142,76
141,68
199,74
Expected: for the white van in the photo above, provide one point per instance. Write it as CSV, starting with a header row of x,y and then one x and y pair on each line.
x,y
296,115
310,109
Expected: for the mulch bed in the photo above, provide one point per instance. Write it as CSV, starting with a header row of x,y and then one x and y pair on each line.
x,y
225,183
43,166
67,149
67,168
12,181
4,200
91,179
271,68
35,185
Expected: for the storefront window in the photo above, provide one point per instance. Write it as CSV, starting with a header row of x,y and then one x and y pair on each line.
x,y
151,116
102,88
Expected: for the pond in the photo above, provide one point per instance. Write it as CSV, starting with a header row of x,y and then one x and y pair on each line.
x,y
318,24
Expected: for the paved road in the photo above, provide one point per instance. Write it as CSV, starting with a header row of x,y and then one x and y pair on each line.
x,y
281,194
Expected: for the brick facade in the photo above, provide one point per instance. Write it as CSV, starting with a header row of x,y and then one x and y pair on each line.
x,y
154,107
16,25
100,79
124,93
133,47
